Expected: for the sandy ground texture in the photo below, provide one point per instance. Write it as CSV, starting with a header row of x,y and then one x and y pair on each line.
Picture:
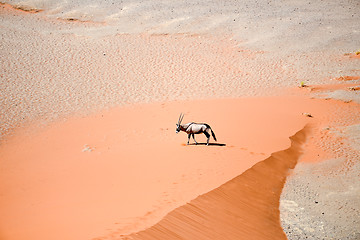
x,y
321,201
90,94
51,68
321,198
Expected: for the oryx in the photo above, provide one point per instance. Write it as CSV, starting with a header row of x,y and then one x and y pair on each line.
x,y
193,128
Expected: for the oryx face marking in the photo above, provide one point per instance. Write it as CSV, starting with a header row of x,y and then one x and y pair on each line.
x,y
177,128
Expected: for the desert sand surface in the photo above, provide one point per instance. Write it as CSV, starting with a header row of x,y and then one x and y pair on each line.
x,y
91,93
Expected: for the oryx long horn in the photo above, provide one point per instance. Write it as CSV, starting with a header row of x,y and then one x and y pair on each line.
x,y
181,117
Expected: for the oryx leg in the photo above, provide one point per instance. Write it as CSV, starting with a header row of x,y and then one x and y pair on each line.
x,y
193,135
208,138
189,135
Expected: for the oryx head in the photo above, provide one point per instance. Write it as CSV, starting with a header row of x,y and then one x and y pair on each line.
x,y
178,129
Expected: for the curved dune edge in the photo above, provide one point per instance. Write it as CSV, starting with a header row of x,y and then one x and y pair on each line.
x,y
236,209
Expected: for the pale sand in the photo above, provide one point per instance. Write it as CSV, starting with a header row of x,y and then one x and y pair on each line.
x,y
53,69
320,200
121,171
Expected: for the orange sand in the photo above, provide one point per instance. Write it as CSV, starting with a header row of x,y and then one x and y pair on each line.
x,y
348,78
123,170
333,87
20,9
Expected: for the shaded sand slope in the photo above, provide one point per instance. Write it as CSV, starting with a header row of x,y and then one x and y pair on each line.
x,y
239,209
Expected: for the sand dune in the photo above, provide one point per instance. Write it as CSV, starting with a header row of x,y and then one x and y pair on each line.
x,y
240,209
91,175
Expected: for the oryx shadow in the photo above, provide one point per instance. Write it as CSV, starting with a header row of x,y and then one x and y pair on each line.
x,y
210,144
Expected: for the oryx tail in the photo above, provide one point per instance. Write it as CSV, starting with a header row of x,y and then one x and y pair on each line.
x,y
213,134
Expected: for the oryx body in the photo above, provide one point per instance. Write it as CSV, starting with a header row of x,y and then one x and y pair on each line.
x,y
193,128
